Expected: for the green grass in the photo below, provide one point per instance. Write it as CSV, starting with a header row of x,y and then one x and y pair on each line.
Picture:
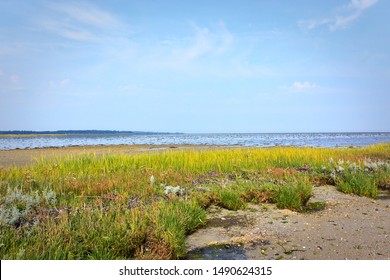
x,y
294,195
107,207
359,184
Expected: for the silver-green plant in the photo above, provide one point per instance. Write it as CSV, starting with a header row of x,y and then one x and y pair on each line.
x,y
17,207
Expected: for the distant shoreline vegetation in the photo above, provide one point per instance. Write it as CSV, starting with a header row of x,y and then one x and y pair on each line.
x,y
104,132
29,133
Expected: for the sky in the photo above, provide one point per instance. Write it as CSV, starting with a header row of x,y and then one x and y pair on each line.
x,y
195,66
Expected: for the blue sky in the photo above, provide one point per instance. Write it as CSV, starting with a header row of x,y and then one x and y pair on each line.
x,y
195,66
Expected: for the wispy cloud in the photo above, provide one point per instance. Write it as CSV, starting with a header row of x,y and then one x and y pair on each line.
x,y
202,42
64,83
79,21
132,89
10,83
87,14
68,31
206,41
343,18
301,87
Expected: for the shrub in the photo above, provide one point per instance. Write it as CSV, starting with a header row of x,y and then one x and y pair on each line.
x,y
18,208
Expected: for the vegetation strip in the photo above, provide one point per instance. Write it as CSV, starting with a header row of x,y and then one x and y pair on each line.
x,y
142,206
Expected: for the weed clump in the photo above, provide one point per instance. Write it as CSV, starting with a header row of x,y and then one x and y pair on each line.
x,y
294,195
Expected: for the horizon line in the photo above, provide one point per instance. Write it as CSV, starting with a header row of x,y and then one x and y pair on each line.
x,y
97,131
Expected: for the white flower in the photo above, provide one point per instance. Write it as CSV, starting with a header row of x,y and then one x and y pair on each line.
x,y
354,167
173,190
370,166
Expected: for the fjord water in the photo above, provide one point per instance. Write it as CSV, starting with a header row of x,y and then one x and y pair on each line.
x,y
229,139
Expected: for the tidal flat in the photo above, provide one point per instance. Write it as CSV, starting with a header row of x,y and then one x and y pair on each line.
x,y
178,202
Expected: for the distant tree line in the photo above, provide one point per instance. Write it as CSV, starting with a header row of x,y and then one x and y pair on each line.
x,y
26,132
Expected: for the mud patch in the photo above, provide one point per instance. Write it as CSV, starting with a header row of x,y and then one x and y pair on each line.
x,y
234,251
218,252
229,221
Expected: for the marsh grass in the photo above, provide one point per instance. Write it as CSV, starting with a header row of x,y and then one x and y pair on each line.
x,y
230,199
358,183
294,195
364,178
117,206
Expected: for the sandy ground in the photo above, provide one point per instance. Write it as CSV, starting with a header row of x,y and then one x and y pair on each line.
x,y
350,227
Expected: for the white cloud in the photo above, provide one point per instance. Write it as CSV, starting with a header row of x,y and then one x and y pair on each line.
x,y
80,22
206,41
202,43
362,4
347,14
64,83
87,14
301,86
10,83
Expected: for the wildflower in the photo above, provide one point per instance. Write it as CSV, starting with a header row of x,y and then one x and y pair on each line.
x,y
152,180
172,190
354,167
370,166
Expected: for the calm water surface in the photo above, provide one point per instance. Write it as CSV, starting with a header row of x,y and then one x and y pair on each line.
x,y
230,139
